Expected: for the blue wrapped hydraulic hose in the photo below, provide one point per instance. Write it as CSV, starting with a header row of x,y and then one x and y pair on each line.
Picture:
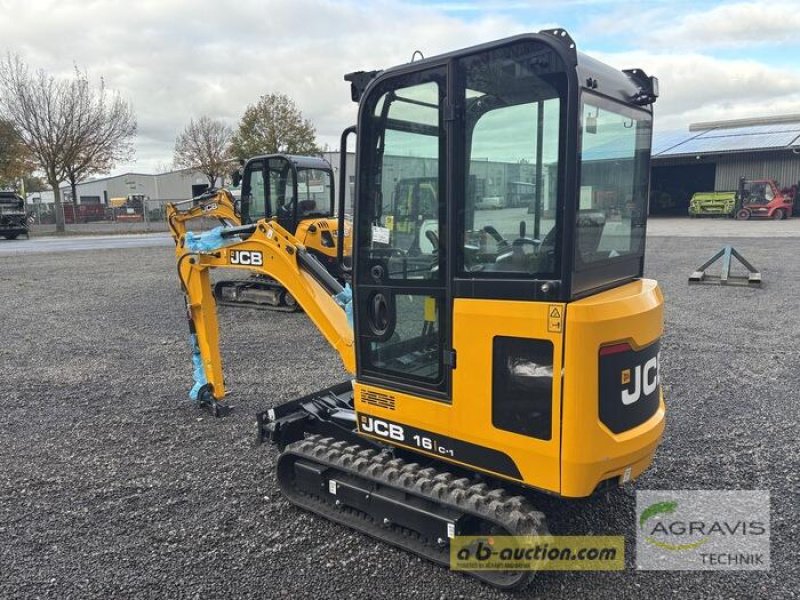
x,y
345,300
199,372
206,241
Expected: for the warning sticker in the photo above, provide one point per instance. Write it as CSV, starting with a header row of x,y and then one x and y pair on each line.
x,y
555,318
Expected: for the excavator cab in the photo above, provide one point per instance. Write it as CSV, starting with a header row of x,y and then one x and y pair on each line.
x,y
526,113
289,188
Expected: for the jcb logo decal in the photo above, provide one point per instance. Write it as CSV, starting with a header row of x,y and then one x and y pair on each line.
x,y
247,258
645,380
382,428
210,207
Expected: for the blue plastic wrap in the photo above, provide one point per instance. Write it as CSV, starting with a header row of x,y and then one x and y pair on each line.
x,y
345,300
206,241
199,372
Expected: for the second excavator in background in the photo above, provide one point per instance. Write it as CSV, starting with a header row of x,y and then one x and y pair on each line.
x,y
297,191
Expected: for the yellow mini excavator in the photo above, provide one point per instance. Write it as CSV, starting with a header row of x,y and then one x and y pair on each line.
x,y
500,333
297,191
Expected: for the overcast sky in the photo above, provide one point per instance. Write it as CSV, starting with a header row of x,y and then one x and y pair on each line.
x,y
177,59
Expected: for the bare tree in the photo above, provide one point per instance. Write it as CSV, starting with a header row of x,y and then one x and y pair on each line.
x,y
64,123
274,124
104,126
163,166
39,107
205,147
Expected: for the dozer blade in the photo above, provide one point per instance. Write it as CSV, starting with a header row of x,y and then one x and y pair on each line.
x,y
256,292
414,508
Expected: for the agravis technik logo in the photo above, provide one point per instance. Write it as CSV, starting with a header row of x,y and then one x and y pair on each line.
x,y
702,530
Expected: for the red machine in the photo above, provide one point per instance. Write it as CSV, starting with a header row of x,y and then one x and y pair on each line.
x,y
761,198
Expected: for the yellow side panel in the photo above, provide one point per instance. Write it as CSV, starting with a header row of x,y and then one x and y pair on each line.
x,y
475,325
312,240
632,314
468,418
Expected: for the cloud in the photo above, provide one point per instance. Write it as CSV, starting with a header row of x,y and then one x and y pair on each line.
x,y
682,26
735,25
695,87
182,59
177,60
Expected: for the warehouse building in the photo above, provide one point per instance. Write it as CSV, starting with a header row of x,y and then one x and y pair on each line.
x,y
713,156
162,187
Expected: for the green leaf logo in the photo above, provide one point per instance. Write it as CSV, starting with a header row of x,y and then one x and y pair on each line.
x,y
656,509
665,508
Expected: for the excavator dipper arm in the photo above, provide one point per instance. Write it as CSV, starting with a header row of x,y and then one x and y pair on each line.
x,y
265,248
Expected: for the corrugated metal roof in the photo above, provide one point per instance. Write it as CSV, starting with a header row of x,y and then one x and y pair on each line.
x,y
721,140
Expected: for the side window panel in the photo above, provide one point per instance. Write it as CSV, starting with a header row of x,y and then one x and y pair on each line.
x,y
615,144
281,189
314,190
512,105
257,195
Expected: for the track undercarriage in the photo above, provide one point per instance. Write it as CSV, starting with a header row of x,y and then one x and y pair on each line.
x,y
255,292
326,468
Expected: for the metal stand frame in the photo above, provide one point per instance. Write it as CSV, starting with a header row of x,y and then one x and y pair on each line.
x,y
725,278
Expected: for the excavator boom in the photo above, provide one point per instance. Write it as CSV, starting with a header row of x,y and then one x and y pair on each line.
x,y
216,203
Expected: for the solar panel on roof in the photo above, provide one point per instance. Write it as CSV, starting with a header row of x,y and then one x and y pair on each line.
x,y
733,139
734,143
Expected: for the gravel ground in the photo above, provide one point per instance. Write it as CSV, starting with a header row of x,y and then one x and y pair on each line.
x,y
112,485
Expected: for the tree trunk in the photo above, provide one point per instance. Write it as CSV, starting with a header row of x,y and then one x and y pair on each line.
x,y
59,209
74,187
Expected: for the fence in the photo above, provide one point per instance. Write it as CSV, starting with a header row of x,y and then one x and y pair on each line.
x,y
149,215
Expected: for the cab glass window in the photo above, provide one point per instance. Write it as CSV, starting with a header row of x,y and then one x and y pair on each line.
x,y
615,160
257,195
314,193
513,107
281,188
400,284
405,223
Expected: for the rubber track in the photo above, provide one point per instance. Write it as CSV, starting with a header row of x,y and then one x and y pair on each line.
x,y
514,515
266,284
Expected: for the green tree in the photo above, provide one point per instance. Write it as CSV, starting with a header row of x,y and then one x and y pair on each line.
x,y
204,145
15,160
34,184
274,124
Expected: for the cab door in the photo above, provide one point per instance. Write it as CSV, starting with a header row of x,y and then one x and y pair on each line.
x,y
254,192
402,316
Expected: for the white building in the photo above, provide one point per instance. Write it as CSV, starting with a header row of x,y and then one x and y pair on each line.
x,y
159,188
